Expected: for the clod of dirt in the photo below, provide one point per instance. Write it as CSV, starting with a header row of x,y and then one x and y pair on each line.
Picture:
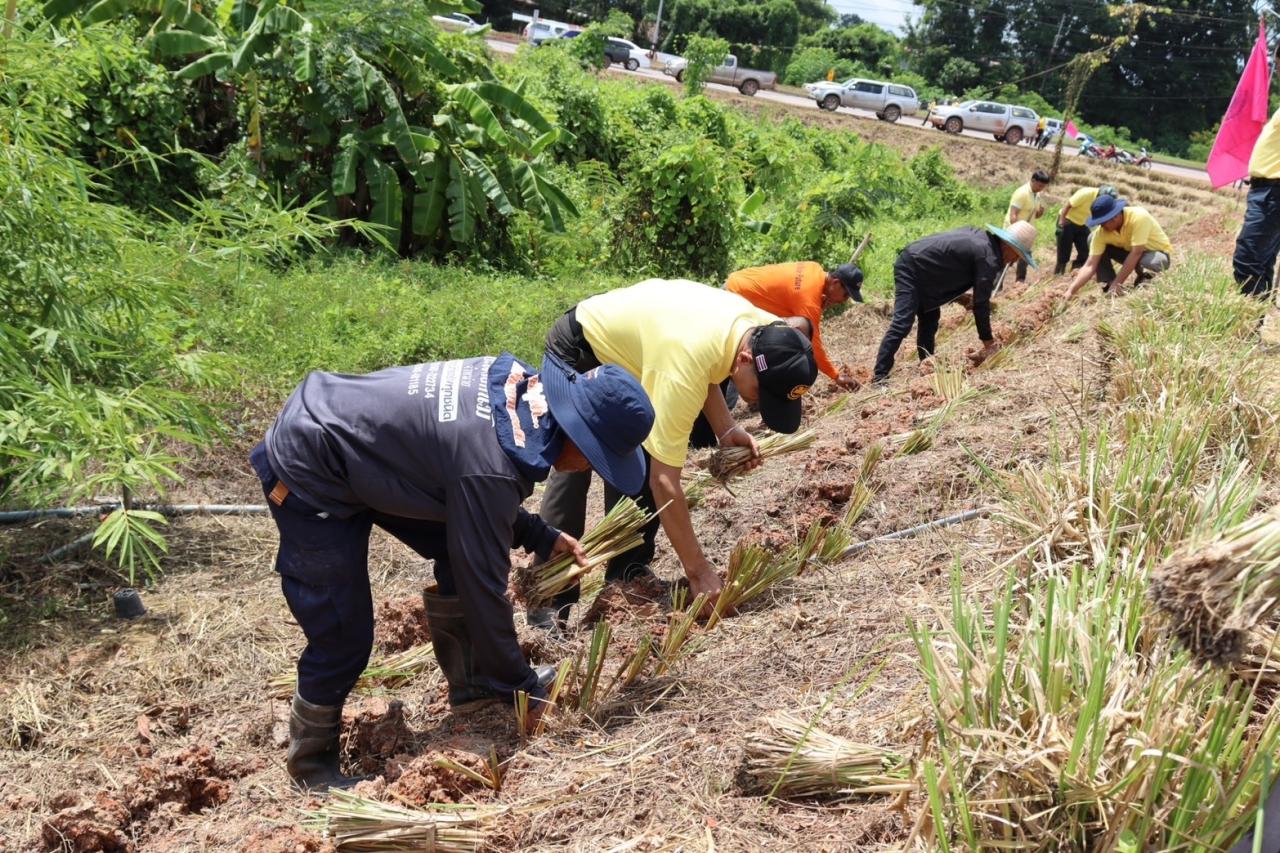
x,y
373,731
400,624
621,601
420,781
188,781
285,839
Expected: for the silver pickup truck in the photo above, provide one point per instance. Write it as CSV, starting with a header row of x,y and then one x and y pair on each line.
x,y
748,81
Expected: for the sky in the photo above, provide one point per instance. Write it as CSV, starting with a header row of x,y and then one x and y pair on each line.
x,y
887,13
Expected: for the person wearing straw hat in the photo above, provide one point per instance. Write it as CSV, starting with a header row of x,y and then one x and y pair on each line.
x,y
681,339
802,289
940,268
1072,233
1125,235
441,456
1025,206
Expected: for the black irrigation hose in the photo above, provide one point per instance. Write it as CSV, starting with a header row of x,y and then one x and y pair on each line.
x,y
21,515
968,515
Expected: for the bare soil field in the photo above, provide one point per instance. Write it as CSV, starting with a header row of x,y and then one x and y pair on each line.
x,y
164,734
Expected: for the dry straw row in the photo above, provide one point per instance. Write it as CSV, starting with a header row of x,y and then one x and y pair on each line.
x,y
789,757
354,823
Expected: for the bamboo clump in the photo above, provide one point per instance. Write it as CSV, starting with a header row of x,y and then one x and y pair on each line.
x,y
729,462
393,670
354,823
792,758
1217,592
618,532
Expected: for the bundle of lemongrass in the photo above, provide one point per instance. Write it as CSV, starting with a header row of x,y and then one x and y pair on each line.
x,y
752,570
791,758
729,462
391,670
1216,592
618,532
354,823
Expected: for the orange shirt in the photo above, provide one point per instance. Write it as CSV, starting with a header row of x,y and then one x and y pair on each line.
x,y
787,290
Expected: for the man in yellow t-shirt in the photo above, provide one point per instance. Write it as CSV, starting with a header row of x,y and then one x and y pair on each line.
x,y
1071,230
681,339
1129,236
1025,206
1259,240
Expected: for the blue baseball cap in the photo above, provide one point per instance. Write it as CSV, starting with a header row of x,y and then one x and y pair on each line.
x,y
607,414
1104,208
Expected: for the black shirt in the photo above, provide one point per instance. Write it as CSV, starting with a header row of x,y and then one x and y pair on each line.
x,y
946,265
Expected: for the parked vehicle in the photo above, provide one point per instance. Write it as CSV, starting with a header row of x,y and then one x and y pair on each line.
x,y
632,55
1006,122
748,81
1089,148
1143,160
457,21
889,101
542,29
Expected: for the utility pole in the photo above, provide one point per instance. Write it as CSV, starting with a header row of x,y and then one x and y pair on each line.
x,y
11,13
657,30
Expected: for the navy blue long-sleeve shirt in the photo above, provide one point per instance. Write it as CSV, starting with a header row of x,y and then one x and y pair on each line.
x,y
952,262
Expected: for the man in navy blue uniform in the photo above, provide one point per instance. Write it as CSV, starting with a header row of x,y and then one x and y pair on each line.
x,y
441,456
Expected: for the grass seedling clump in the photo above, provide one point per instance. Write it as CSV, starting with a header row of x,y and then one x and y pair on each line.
x,y
618,532
354,823
729,462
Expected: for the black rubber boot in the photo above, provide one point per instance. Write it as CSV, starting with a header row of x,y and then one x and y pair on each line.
x,y
452,645
312,760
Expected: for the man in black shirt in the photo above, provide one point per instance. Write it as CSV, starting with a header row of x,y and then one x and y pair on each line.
x,y
441,456
936,270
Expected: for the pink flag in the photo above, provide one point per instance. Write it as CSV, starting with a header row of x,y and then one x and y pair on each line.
x,y
1072,130
1244,120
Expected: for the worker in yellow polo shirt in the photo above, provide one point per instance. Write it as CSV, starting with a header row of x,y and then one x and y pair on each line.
x,y
1072,233
1259,240
1129,236
1025,206
681,339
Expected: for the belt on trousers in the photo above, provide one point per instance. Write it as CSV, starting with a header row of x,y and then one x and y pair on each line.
x,y
278,493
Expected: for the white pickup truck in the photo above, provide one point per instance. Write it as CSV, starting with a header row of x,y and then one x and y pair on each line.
x,y
748,81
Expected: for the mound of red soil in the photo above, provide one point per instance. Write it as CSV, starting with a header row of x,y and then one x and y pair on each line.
x,y
373,731
1032,316
400,624
189,781
645,598
419,781
285,839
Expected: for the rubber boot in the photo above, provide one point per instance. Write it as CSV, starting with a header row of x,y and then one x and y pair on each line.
x,y
312,760
452,645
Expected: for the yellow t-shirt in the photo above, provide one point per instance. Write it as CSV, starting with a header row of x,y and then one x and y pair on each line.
x,y
1026,201
676,337
1139,229
1080,202
1265,160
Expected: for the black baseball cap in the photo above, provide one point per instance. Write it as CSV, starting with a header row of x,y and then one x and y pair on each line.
x,y
785,369
851,277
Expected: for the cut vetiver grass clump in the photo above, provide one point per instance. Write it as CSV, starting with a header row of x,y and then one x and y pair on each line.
x,y
1215,592
355,823
789,757
618,532
385,671
729,462
752,570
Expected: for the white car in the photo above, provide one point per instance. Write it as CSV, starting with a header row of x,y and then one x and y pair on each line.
x,y
889,101
639,57
544,29
1006,122
457,21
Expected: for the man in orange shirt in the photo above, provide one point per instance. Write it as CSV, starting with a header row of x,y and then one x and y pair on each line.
x,y
800,289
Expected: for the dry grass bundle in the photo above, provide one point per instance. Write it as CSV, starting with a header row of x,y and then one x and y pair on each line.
x,y
1216,592
948,379
752,570
354,823
680,624
393,670
792,758
729,462
618,532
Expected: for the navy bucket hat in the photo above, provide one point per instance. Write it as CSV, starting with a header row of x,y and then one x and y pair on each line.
x,y
1104,208
606,414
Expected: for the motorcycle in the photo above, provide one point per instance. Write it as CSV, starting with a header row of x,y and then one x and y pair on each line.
x,y
1089,148
1143,161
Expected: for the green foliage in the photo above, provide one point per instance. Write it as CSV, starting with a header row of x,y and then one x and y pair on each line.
x,y
703,117
760,32
618,23
812,64
703,54
958,74
588,48
872,47
681,212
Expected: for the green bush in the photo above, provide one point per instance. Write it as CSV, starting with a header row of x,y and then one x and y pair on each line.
x,y
705,118
812,64
703,54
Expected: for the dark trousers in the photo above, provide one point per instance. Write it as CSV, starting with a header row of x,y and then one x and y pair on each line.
x,y
906,313
564,500
323,563
1072,236
1259,241
1022,271
1113,257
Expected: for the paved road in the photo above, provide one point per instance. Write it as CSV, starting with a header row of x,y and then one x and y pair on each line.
x,y
799,101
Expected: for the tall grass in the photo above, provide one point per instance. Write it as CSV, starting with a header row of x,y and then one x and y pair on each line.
x,y
1062,719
